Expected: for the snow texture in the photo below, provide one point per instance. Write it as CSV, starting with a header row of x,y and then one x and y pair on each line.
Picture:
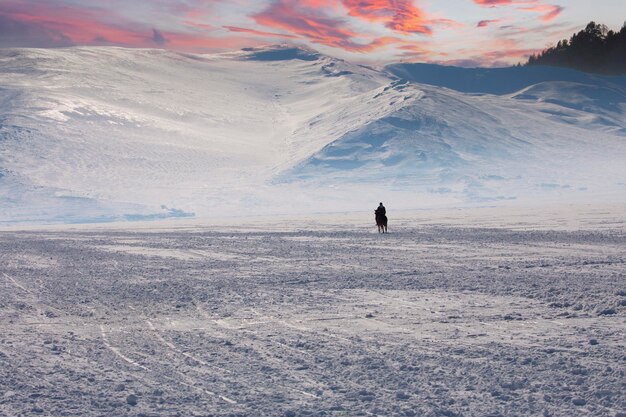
x,y
107,134
444,316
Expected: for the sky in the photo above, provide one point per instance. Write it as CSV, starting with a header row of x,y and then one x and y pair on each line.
x,y
454,32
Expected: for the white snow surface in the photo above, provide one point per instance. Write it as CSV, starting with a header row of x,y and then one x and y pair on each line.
x,y
105,134
493,313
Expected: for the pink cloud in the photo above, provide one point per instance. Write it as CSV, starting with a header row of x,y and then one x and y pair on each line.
x,y
260,32
504,50
81,26
305,21
493,3
194,25
15,33
412,52
549,12
398,15
494,58
446,23
89,26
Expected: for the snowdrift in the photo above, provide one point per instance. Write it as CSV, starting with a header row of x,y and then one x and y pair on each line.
x,y
103,134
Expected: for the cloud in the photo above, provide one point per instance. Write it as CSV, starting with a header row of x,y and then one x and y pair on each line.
x,y
405,28
18,34
493,3
498,52
259,32
485,23
316,26
79,25
520,53
411,52
446,23
55,23
549,12
398,15
497,58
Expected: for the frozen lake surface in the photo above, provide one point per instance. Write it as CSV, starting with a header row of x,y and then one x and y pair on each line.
x,y
437,318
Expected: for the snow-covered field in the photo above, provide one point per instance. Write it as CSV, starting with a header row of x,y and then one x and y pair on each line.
x,y
514,309
491,313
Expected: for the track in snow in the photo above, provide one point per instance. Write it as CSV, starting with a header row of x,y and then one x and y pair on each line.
x,y
429,321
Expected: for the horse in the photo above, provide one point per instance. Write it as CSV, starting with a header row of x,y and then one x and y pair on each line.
x,y
381,222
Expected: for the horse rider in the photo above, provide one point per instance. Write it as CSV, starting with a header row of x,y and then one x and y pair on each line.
x,y
381,218
380,211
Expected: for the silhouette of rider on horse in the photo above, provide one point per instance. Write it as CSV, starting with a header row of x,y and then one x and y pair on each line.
x,y
381,218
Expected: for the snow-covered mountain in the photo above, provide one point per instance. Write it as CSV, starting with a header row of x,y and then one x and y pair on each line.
x,y
97,134
591,95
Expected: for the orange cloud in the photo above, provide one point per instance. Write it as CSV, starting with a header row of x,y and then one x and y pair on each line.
x,y
194,25
398,15
310,23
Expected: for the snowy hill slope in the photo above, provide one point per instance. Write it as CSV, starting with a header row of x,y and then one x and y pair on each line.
x,y
598,99
98,134
588,105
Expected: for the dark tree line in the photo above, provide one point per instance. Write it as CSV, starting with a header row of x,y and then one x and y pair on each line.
x,y
595,49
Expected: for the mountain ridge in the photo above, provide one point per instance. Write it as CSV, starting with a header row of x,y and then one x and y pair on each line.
x,y
101,134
